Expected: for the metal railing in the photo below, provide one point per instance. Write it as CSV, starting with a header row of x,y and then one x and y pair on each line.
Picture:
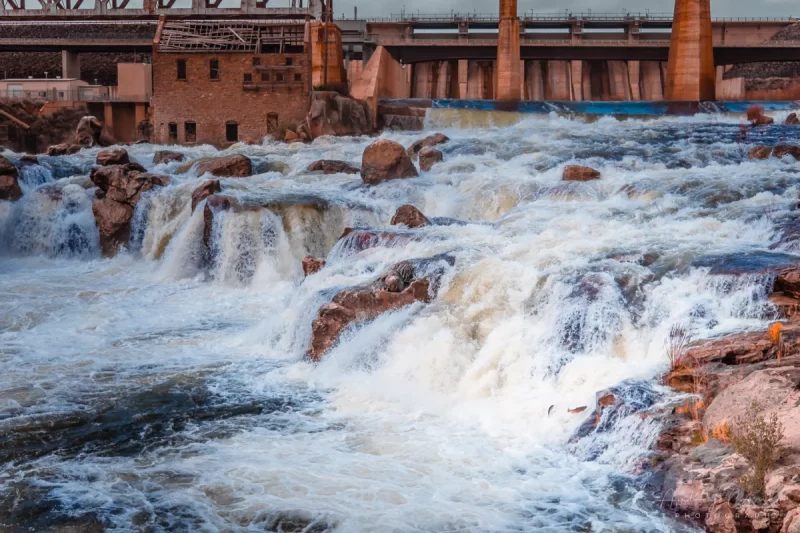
x,y
532,16
70,95
577,43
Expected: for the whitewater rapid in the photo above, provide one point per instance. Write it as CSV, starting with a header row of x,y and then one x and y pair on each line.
x,y
157,392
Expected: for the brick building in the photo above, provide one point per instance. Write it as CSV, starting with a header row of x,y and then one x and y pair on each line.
x,y
219,82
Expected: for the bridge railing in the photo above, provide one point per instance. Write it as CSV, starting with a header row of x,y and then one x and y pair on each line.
x,y
577,43
557,17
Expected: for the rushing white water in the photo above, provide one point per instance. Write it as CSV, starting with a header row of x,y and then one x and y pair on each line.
x,y
164,390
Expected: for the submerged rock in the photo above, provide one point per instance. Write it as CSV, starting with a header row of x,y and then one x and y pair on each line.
x,y
88,132
386,160
167,156
429,157
9,181
410,216
28,159
120,188
617,402
113,156
579,173
63,149
429,141
792,120
312,265
206,189
779,151
232,166
332,166
333,114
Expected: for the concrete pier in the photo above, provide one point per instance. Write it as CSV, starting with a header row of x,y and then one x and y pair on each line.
x,y
509,78
690,73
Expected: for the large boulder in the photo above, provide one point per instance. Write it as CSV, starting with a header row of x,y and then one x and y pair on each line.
x,y
9,181
429,157
113,156
231,166
88,132
332,166
410,216
333,114
206,189
167,156
780,150
386,160
427,142
792,120
119,190
580,173
63,149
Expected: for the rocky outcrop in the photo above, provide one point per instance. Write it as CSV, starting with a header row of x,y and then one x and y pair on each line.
x,y
113,156
29,159
398,288
332,166
232,166
167,156
386,160
88,133
429,157
779,151
792,120
410,216
756,116
9,181
206,189
119,189
312,265
427,142
579,173
63,149
333,114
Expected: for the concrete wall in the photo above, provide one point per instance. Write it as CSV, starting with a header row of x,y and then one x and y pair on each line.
x,y
135,81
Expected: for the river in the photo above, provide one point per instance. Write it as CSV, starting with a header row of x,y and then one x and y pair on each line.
x,y
149,392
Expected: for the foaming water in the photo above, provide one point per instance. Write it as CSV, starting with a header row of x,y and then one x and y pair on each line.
x,y
165,389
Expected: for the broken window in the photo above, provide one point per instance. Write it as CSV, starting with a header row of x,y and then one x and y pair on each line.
x,y
248,78
289,61
256,61
278,76
298,76
231,132
190,132
265,76
182,69
272,122
173,132
214,69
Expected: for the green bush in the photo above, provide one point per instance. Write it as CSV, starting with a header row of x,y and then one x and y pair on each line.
x,y
757,439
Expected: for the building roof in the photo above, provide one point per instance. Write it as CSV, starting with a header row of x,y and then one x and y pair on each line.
x,y
249,37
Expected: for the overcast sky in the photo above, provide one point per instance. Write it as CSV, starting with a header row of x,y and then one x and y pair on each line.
x,y
720,8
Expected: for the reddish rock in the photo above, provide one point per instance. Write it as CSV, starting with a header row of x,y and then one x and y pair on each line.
x,y
580,173
29,159
756,116
9,181
720,518
360,240
786,149
760,152
427,142
429,157
214,204
359,305
312,265
792,120
121,187
333,114
791,524
763,120
386,160
113,156
63,149
232,166
410,216
206,189
167,156
331,166
290,136
788,282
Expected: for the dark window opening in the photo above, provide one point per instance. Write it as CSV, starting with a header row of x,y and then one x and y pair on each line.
x,y
265,76
173,132
190,131
289,61
3,132
231,132
248,78
214,69
182,69
298,76
256,61
272,122
278,76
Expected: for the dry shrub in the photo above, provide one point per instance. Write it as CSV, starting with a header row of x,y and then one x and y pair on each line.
x,y
722,432
676,346
775,334
757,439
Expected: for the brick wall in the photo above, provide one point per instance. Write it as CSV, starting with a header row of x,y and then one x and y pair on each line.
x,y
275,87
